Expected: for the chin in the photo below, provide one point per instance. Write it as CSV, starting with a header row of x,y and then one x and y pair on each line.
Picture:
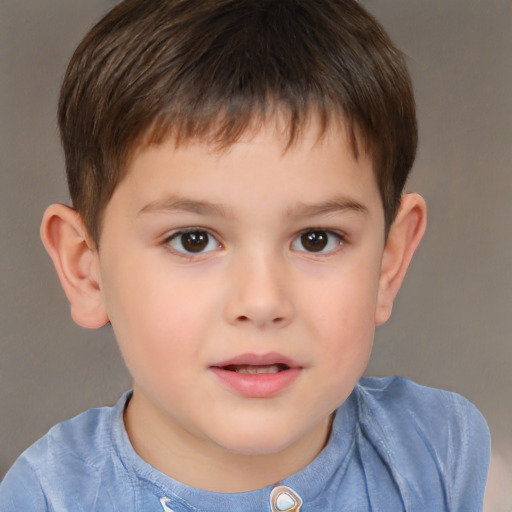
x,y
256,449
259,442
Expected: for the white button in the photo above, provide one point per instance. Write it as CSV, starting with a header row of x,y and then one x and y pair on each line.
x,y
284,499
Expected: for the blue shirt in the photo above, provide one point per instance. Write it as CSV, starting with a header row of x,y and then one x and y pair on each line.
x,y
394,446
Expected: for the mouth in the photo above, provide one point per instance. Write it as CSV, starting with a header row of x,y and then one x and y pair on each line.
x,y
256,364
256,369
257,376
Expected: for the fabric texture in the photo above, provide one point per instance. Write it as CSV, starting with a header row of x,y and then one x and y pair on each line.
x,y
394,446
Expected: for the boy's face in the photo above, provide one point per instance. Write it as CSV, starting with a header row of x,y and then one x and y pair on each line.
x,y
242,287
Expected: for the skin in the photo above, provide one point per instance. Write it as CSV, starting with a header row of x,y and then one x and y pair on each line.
x,y
256,287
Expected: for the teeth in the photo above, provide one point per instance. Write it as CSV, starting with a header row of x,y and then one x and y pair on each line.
x,y
254,370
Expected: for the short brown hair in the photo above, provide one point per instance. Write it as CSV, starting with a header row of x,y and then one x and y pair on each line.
x,y
208,68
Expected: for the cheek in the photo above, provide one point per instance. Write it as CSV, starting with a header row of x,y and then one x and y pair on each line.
x,y
157,321
345,343
342,353
345,308
342,318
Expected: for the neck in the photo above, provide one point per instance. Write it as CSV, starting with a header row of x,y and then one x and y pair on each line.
x,y
199,463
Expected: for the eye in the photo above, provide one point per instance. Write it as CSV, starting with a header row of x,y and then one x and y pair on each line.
x,y
317,241
193,241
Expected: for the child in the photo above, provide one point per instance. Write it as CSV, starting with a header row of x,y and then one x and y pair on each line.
x,y
236,169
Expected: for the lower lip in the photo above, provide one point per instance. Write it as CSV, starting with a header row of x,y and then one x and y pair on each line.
x,y
260,385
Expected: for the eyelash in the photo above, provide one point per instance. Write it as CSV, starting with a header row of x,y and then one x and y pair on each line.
x,y
321,237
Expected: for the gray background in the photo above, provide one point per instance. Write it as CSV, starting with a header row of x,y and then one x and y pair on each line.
x,y
452,322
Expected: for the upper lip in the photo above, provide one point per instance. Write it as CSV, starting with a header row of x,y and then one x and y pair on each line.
x,y
253,359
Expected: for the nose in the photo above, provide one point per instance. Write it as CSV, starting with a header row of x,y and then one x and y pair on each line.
x,y
259,293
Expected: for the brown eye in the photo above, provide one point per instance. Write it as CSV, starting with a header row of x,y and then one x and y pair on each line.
x,y
317,240
314,241
196,241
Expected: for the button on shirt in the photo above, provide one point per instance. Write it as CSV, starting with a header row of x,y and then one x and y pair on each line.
x,y
394,446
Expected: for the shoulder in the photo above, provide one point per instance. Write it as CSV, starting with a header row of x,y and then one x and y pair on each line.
x,y
70,451
395,400
434,434
80,438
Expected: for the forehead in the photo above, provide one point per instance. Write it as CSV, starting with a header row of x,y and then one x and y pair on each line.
x,y
318,155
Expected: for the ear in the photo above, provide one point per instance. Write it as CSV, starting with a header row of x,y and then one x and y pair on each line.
x,y
76,260
404,237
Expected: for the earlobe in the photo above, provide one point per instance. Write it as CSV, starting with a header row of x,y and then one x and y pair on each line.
x,y
76,261
403,239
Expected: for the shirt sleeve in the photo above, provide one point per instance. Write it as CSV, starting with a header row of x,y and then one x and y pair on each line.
x,y
21,489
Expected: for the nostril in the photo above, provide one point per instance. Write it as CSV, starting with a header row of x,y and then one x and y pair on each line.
x,y
276,321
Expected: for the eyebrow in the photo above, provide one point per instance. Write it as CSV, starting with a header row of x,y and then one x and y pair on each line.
x,y
335,205
179,204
